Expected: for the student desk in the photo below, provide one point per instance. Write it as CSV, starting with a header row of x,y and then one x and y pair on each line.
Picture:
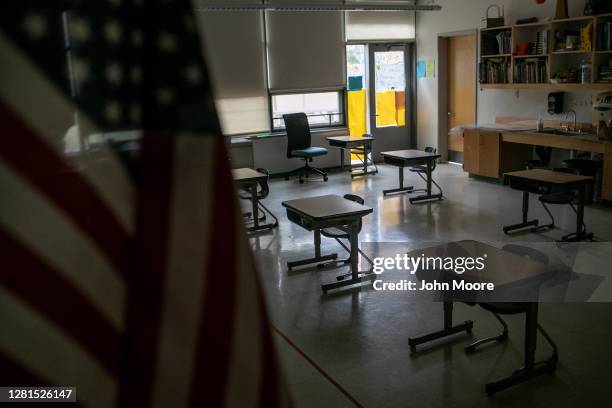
x,y
542,181
316,213
506,271
408,158
248,179
360,145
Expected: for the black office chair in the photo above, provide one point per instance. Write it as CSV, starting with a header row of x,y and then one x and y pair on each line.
x,y
544,153
263,192
342,233
562,198
298,145
421,171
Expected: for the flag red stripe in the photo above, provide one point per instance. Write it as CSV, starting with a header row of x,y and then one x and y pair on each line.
x,y
38,284
216,335
61,183
148,271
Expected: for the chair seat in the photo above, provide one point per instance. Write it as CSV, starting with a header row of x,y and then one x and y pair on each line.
x,y
309,152
559,198
504,308
334,232
419,169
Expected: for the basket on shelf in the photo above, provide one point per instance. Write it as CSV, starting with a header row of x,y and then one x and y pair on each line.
x,y
498,21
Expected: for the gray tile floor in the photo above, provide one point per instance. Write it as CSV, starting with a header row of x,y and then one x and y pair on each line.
x,y
359,337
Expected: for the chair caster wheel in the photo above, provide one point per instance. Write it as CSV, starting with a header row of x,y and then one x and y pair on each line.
x,y
325,178
413,349
470,349
301,181
286,178
320,266
339,278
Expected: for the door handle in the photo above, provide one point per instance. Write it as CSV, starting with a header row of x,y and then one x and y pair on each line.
x,y
451,115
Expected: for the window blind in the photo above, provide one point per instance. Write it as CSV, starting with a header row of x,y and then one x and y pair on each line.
x,y
235,54
380,25
305,51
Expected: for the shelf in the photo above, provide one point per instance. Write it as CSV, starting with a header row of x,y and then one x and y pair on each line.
x,y
551,87
538,24
497,28
571,52
531,56
496,56
573,19
604,52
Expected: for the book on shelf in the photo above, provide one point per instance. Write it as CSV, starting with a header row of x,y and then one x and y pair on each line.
x,y
503,42
605,36
531,71
495,71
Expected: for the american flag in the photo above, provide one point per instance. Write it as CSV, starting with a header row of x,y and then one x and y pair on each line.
x,y
128,276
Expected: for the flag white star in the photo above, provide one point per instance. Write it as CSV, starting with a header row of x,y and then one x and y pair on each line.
x,y
81,70
193,74
112,32
165,96
114,74
137,38
136,75
35,26
80,30
113,112
167,42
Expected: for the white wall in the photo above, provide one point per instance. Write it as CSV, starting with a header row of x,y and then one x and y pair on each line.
x,y
459,15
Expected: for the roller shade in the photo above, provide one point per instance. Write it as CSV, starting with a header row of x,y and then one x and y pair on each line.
x,y
380,25
235,54
305,51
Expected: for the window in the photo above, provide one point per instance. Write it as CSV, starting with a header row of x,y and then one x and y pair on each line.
x,y
324,109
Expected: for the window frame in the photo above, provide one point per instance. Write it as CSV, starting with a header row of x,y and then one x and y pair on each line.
x,y
342,103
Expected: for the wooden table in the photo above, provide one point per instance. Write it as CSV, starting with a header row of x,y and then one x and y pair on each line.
x,y
408,158
316,213
542,181
362,145
504,269
248,179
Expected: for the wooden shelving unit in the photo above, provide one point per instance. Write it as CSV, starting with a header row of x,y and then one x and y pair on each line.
x,y
555,59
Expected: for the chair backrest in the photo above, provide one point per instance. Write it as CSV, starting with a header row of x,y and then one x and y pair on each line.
x,y
358,200
433,150
264,188
544,153
298,132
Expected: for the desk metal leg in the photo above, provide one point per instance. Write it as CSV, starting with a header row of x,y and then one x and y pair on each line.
x,y
365,149
428,196
341,159
530,368
356,275
318,259
525,223
401,188
255,213
580,233
448,329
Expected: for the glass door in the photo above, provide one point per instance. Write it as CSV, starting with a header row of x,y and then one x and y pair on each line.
x,y
388,75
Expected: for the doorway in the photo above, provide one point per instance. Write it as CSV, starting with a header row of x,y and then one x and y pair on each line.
x,y
458,55
381,94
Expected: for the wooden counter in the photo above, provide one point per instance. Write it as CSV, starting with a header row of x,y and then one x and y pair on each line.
x,y
490,154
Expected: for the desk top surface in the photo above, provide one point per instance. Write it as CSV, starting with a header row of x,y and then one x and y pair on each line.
x,y
347,139
410,154
549,176
247,174
327,206
501,267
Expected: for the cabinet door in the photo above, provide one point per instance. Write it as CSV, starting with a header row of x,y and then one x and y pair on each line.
x,y
471,143
488,154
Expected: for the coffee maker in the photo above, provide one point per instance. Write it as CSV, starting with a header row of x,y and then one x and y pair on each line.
x,y
602,108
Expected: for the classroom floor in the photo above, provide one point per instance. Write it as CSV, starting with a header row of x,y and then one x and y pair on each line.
x,y
359,337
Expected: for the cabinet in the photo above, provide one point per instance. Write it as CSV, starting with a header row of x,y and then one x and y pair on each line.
x,y
481,153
